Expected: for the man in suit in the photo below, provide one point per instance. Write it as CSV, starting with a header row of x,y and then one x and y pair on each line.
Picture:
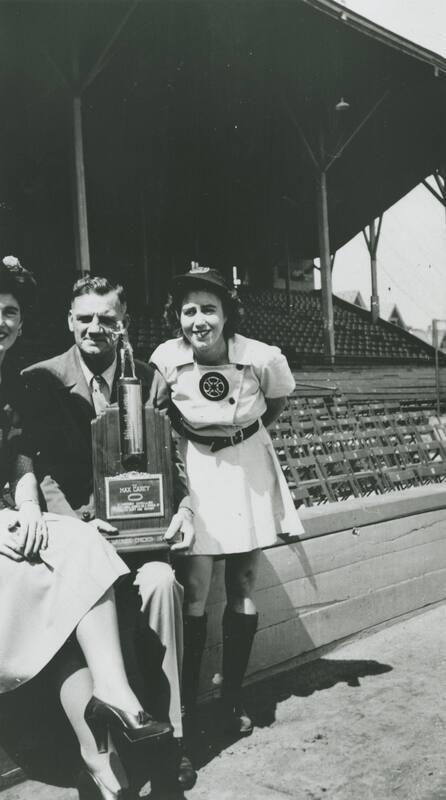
x,y
65,393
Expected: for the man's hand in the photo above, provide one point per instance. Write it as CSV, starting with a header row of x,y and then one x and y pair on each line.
x,y
29,529
180,533
104,527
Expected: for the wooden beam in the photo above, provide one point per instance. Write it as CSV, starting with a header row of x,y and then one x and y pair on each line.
x,y
372,245
144,247
325,258
435,343
374,300
357,129
288,278
103,57
301,133
439,180
371,241
80,192
441,199
63,78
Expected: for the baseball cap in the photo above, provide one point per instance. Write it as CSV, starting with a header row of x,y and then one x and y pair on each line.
x,y
199,276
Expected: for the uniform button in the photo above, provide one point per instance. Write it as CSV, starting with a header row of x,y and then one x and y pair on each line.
x,y
239,366
86,516
232,401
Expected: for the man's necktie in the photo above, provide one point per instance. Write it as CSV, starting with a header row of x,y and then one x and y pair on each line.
x,y
99,393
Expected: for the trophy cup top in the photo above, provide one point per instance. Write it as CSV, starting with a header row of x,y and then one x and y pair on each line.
x,y
126,353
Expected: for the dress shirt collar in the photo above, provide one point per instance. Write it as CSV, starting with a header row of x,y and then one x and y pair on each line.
x,y
108,374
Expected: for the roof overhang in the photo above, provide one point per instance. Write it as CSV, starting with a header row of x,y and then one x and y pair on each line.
x,y
198,128
368,27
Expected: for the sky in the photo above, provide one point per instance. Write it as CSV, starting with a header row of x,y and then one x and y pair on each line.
x,y
411,260
421,21
412,248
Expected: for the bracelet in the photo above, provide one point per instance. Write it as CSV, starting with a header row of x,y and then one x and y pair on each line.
x,y
35,502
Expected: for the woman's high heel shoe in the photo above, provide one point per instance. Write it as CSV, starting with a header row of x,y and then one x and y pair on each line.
x,y
100,717
90,787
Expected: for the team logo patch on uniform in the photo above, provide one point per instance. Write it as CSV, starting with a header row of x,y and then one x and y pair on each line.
x,y
214,386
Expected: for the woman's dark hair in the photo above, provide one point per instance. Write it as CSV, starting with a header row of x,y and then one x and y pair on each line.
x,y
232,308
19,282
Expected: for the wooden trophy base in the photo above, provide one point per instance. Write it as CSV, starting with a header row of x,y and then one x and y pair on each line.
x,y
138,503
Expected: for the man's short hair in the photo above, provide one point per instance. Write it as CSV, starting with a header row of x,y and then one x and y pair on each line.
x,y
97,285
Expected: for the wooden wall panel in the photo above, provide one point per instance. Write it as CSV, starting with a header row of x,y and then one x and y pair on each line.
x,y
386,381
318,591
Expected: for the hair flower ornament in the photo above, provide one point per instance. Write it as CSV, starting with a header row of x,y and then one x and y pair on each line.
x,y
13,264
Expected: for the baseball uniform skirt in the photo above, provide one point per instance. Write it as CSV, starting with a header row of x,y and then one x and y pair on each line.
x,y
239,496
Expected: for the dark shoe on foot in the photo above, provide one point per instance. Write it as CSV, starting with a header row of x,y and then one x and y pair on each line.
x,y
186,774
236,720
246,725
101,716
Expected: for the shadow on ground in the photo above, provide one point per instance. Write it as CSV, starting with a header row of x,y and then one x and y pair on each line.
x,y
262,698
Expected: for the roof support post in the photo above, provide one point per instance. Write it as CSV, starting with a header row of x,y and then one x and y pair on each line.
x,y
288,278
374,299
79,190
144,247
439,194
325,258
437,363
75,88
320,170
372,246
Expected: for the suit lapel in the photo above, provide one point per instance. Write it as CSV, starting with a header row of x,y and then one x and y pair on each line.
x,y
74,378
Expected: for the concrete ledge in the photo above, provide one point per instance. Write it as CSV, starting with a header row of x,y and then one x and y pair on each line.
x,y
359,511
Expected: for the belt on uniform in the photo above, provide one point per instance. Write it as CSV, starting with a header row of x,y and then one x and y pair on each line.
x,y
219,442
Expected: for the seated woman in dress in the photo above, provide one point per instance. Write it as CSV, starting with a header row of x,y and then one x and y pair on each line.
x,y
224,390
56,579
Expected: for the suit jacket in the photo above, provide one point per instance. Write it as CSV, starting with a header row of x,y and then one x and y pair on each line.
x,y
57,431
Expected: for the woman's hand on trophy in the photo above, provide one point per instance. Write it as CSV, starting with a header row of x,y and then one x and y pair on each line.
x,y
29,528
180,533
104,527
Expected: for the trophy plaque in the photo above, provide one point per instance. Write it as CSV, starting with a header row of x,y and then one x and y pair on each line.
x,y
132,465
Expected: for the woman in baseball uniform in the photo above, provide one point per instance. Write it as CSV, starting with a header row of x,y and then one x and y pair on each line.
x,y
225,389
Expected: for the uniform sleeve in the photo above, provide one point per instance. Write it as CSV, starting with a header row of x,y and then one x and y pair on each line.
x,y
276,378
159,361
159,390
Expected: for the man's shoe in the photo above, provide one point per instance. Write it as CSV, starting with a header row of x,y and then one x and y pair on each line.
x,y
235,719
186,774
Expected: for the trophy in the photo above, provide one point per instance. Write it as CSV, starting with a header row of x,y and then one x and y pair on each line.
x,y
132,464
